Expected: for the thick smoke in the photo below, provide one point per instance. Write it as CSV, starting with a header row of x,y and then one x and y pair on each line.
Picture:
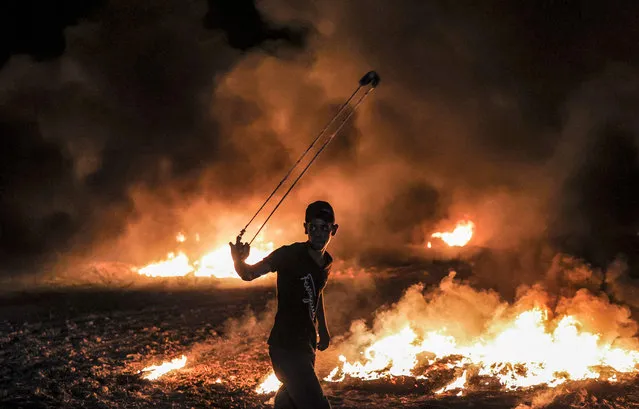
x,y
597,214
163,117
478,116
111,124
471,315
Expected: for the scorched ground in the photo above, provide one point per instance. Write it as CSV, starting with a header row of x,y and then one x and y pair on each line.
x,y
87,348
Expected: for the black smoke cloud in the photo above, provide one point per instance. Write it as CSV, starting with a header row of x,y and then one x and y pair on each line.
x,y
245,27
104,97
597,215
30,230
36,28
485,111
479,101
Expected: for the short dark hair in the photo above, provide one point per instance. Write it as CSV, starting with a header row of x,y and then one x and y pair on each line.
x,y
320,210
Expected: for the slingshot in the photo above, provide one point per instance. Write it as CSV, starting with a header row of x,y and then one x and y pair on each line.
x,y
366,84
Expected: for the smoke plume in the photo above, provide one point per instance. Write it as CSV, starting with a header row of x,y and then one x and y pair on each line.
x,y
110,124
154,118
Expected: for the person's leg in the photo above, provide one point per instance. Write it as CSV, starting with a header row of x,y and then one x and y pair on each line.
x,y
282,399
297,373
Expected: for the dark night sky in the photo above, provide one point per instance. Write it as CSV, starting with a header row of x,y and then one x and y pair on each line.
x,y
98,97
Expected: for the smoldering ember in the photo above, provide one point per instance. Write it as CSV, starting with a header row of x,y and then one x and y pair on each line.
x,y
481,160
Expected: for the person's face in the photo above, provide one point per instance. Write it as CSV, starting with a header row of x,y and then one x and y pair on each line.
x,y
319,233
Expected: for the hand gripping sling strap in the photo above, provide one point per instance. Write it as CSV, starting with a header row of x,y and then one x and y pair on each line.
x,y
371,78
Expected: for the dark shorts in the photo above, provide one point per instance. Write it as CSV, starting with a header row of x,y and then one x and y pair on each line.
x,y
300,386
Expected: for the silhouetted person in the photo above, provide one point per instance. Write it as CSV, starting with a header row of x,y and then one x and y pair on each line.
x,y
302,271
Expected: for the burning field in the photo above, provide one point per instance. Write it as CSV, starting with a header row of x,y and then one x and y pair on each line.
x,y
486,197
411,337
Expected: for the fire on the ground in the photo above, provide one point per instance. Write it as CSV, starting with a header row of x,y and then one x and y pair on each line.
x,y
530,348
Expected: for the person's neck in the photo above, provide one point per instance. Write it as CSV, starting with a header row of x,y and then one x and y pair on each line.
x,y
317,254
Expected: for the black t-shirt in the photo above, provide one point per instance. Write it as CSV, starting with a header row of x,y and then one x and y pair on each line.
x,y
300,281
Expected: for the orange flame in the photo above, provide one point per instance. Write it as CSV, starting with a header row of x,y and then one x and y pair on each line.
x,y
217,263
459,237
173,266
523,353
458,383
156,371
270,384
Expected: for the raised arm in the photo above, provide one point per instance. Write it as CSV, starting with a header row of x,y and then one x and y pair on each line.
x,y
250,272
239,252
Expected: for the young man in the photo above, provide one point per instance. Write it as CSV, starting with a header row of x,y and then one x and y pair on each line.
x,y
302,272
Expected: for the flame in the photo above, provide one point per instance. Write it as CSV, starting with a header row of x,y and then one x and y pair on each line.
x,y
173,266
180,238
217,263
270,384
384,358
524,353
155,371
458,383
459,237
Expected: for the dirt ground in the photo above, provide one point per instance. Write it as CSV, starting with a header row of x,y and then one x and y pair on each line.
x,y
83,348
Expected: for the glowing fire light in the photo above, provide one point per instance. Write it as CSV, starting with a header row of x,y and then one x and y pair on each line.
x,y
522,353
155,371
460,236
180,238
269,385
217,263
385,356
458,383
173,266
